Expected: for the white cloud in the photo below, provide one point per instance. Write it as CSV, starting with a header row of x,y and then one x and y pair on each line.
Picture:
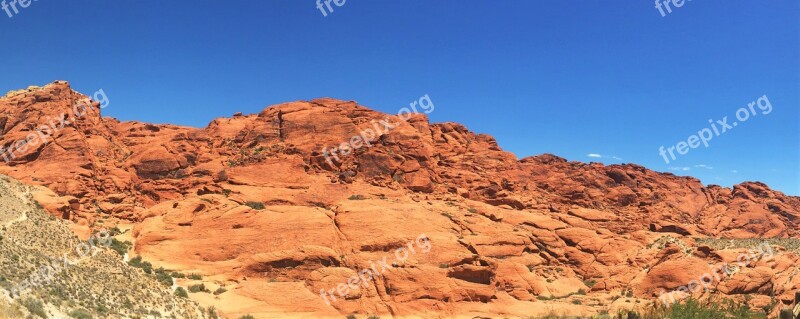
x,y
595,155
704,166
734,171
685,168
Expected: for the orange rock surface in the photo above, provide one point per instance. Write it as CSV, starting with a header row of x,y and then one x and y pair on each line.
x,y
504,236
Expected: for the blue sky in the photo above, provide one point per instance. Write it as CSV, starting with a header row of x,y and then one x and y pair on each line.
x,y
571,78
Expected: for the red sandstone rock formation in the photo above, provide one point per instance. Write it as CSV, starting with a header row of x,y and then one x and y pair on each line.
x,y
504,233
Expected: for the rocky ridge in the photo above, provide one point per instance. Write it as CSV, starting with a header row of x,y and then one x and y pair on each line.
x,y
253,204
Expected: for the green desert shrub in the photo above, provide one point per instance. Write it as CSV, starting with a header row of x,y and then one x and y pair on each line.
x,y
163,276
121,247
180,292
138,263
198,288
255,205
212,313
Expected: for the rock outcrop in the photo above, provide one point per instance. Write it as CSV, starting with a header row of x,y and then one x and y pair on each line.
x,y
261,205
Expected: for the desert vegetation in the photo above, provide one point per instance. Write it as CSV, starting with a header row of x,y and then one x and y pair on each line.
x,y
790,244
689,309
255,205
95,285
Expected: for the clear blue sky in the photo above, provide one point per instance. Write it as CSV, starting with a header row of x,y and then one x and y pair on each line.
x,y
572,78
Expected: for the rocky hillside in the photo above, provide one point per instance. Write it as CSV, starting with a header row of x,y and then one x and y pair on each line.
x,y
266,214
48,272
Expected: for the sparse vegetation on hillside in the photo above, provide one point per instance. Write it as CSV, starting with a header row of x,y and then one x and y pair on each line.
x,y
180,292
695,309
34,306
163,276
212,313
10,311
121,247
198,288
137,262
81,314
580,292
792,244
95,285
689,309
665,240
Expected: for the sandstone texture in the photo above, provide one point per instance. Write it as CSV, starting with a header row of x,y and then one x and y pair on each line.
x,y
451,225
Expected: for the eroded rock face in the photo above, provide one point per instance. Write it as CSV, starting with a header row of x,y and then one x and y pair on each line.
x,y
501,236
